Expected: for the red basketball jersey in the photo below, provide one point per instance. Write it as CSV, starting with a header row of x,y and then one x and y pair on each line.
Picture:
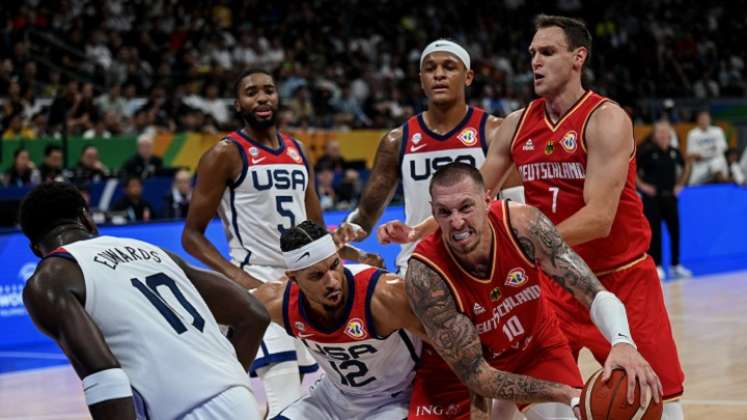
x,y
551,158
507,309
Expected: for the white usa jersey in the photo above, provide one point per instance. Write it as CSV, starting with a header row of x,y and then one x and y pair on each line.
x,y
268,198
354,357
423,152
156,324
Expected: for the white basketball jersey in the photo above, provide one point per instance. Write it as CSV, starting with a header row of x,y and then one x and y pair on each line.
x,y
156,324
353,356
268,198
423,152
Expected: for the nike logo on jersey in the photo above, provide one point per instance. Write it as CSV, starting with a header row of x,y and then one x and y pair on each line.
x,y
304,255
415,148
302,335
622,335
256,161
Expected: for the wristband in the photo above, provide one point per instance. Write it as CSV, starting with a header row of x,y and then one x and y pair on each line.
x,y
106,385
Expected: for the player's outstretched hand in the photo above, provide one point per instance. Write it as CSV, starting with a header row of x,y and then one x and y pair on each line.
x,y
373,259
348,232
395,232
625,356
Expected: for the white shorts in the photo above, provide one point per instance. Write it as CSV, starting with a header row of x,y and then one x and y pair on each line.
x,y
277,346
707,169
234,403
326,402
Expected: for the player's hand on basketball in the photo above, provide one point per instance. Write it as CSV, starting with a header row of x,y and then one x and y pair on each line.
x,y
625,356
348,232
395,232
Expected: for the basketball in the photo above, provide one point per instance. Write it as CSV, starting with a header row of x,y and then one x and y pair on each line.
x,y
607,401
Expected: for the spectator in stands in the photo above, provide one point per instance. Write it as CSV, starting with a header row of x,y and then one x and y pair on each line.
x,y
132,203
332,159
325,189
177,201
17,130
662,174
84,112
113,102
23,173
90,168
143,164
706,145
348,191
51,168
302,107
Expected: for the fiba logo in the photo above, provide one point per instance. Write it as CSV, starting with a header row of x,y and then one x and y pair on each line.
x,y
355,329
11,295
569,141
468,136
516,277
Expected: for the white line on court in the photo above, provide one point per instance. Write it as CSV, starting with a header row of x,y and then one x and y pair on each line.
x,y
715,402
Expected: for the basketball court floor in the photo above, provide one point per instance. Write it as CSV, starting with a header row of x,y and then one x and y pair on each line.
x,y
707,314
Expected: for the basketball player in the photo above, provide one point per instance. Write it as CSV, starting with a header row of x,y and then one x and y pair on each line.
x,y
352,319
259,181
576,154
448,131
139,325
475,286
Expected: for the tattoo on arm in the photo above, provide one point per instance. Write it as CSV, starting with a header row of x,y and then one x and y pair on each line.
x,y
557,259
455,338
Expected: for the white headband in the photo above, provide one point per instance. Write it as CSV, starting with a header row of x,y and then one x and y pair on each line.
x,y
446,46
310,254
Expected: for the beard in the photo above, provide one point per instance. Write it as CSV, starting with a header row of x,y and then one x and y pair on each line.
x,y
259,124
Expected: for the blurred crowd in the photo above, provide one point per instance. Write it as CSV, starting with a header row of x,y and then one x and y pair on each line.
x,y
102,68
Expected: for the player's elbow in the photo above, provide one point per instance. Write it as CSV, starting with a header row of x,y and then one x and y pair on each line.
x,y
258,314
603,224
189,242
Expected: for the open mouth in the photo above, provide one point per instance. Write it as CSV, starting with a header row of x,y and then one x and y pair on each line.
x,y
538,77
263,112
461,236
334,296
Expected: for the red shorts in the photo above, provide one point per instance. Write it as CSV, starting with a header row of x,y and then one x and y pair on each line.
x,y
439,394
639,288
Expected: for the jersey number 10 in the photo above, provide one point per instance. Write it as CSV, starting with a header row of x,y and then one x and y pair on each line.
x,y
154,297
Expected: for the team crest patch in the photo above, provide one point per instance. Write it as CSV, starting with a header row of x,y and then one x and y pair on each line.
x,y
516,277
569,141
293,153
355,329
468,136
300,326
495,294
549,148
415,139
253,151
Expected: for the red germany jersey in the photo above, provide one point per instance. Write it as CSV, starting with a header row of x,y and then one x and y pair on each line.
x,y
507,308
551,158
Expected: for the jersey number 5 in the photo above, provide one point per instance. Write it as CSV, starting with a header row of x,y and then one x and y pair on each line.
x,y
280,201
154,297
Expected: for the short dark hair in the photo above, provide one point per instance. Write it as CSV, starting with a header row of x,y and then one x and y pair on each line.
x,y
249,72
576,32
18,152
35,214
304,233
51,148
455,172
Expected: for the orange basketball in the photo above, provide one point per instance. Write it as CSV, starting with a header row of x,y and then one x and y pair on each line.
x,y
608,401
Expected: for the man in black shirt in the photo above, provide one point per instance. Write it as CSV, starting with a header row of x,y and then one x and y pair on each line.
x,y
662,173
51,169
136,208
144,163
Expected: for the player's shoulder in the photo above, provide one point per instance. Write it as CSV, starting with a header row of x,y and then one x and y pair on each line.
x,y
394,136
52,276
609,110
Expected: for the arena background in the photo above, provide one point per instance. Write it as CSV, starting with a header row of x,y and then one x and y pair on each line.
x,y
107,73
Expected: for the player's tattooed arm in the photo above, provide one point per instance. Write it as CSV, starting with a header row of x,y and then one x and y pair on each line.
x,y
541,243
455,338
382,184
